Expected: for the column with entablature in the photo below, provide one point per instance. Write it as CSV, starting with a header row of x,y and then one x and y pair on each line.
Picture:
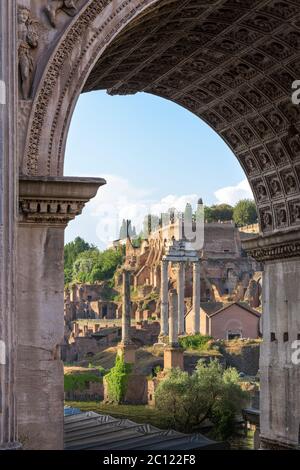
x,y
46,206
280,349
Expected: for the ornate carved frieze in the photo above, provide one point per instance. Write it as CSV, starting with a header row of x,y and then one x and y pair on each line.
x,y
279,245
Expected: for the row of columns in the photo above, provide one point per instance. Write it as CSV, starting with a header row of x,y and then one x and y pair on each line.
x,y
180,300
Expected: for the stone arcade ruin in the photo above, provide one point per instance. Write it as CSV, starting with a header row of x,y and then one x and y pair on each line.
x,y
231,63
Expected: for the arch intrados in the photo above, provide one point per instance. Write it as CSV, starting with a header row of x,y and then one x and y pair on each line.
x,y
253,136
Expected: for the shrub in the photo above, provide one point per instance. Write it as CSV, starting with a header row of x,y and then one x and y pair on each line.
x,y
199,342
117,380
80,381
101,369
210,393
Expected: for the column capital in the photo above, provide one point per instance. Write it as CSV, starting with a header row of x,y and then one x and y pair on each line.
x,y
54,201
275,246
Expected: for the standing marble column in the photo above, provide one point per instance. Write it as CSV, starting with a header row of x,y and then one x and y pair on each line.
x,y
164,298
156,277
126,308
196,297
173,318
173,353
8,229
181,289
126,348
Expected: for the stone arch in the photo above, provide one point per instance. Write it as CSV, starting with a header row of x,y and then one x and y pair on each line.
x,y
63,78
231,63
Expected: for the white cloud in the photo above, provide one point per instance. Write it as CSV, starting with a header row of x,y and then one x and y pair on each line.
x,y
120,199
178,202
232,194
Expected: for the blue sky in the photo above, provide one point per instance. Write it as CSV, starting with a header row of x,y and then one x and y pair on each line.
x,y
153,154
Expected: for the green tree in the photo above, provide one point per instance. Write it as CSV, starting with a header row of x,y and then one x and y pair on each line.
x,y
71,252
245,212
210,393
209,215
222,212
94,265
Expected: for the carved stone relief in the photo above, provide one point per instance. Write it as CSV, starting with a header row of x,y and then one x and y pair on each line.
x,y
277,152
28,40
263,158
260,190
295,211
289,182
249,163
281,217
275,187
266,219
54,7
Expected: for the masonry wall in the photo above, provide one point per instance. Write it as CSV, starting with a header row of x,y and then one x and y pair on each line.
x,y
280,376
234,318
40,389
244,358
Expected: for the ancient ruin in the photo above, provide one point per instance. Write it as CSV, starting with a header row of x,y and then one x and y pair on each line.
x,y
229,62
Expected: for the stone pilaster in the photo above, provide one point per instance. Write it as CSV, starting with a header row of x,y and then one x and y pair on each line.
x,y
8,229
164,314
46,205
181,288
279,359
196,297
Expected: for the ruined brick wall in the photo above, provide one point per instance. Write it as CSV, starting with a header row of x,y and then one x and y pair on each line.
x,y
244,359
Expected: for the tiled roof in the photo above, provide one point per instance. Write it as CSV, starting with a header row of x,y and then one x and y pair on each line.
x,y
213,308
101,432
